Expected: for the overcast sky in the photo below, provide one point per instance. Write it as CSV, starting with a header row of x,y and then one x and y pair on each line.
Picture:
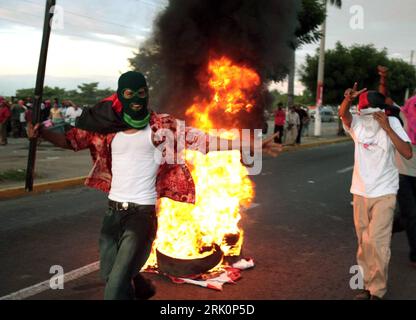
x,y
100,35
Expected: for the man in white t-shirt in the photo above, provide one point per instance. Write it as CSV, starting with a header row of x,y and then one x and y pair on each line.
x,y
72,113
375,183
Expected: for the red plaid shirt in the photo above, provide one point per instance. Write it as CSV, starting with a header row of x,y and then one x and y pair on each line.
x,y
173,180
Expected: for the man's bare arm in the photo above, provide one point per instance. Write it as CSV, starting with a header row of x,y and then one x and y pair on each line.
x,y
267,146
57,139
404,148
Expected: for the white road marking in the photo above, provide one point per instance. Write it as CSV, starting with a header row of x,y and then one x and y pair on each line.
x,y
43,286
72,275
345,169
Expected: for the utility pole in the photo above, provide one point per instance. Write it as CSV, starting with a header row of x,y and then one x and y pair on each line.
x,y
412,54
320,83
40,78
291,82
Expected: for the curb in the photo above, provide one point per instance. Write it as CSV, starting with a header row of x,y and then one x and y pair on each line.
x,y
41,187
74,182
316,144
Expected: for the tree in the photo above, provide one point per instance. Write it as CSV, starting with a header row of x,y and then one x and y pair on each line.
x,y
146,61
87,93
305,99
90,94
311,16
358,63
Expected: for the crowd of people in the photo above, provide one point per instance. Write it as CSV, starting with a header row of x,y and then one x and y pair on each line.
x,y
291,125
15,114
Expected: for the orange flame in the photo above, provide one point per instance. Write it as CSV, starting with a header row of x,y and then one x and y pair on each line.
x,y
230,86
222,185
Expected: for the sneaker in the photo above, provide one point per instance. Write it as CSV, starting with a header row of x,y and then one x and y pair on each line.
x,y
364,295
143,288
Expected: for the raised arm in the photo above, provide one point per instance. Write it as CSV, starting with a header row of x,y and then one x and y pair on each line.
x,y
57,139
383,73
344,110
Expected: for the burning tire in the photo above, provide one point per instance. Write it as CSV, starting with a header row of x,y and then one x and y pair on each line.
x,y
187,267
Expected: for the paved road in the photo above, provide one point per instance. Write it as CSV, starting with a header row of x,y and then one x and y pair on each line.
x,y
301,236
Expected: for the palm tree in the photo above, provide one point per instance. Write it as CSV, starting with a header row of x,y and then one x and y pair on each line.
x,y
337,3
312,15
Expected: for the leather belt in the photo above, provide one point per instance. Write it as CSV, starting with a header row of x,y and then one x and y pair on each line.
x,y
124,206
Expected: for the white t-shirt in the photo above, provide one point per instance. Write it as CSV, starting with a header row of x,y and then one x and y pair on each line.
x,y
375,172
71,114
406,167
135,161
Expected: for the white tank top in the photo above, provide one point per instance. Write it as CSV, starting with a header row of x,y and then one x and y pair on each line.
x,y
135,162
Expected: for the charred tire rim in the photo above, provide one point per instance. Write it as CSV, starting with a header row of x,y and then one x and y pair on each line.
x,y
187,267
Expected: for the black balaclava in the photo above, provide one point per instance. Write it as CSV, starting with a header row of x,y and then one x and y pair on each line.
x,y
133,94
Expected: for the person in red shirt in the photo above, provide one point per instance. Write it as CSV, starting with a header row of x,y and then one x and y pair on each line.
x,y
279,122
4,117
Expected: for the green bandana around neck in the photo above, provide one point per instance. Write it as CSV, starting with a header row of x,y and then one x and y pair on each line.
x,y
136,124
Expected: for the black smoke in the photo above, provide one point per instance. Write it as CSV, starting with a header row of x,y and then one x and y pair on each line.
x,y
257,33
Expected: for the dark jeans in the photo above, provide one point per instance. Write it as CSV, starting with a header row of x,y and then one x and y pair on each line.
x,y
299,136
407,204
125,243
279,129
17,129
3,133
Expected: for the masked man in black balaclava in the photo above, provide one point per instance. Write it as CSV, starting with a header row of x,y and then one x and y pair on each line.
x,y
133,94
123,137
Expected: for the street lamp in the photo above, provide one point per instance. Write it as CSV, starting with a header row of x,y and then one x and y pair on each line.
x,y
320,83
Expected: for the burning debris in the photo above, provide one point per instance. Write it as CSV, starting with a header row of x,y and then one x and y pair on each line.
x,y
217,57
189,34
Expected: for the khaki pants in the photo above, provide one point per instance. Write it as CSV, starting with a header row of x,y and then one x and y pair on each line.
x,y
373,219
291,135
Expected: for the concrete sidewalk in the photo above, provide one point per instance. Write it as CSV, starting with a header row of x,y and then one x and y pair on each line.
x,y
57,168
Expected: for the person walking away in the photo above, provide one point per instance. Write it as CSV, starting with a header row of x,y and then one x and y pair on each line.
x,y
45,112
303,117
72,113
293,123
375,183
57,118
279,122
16,109
306,123
4,118
406,195
22,119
